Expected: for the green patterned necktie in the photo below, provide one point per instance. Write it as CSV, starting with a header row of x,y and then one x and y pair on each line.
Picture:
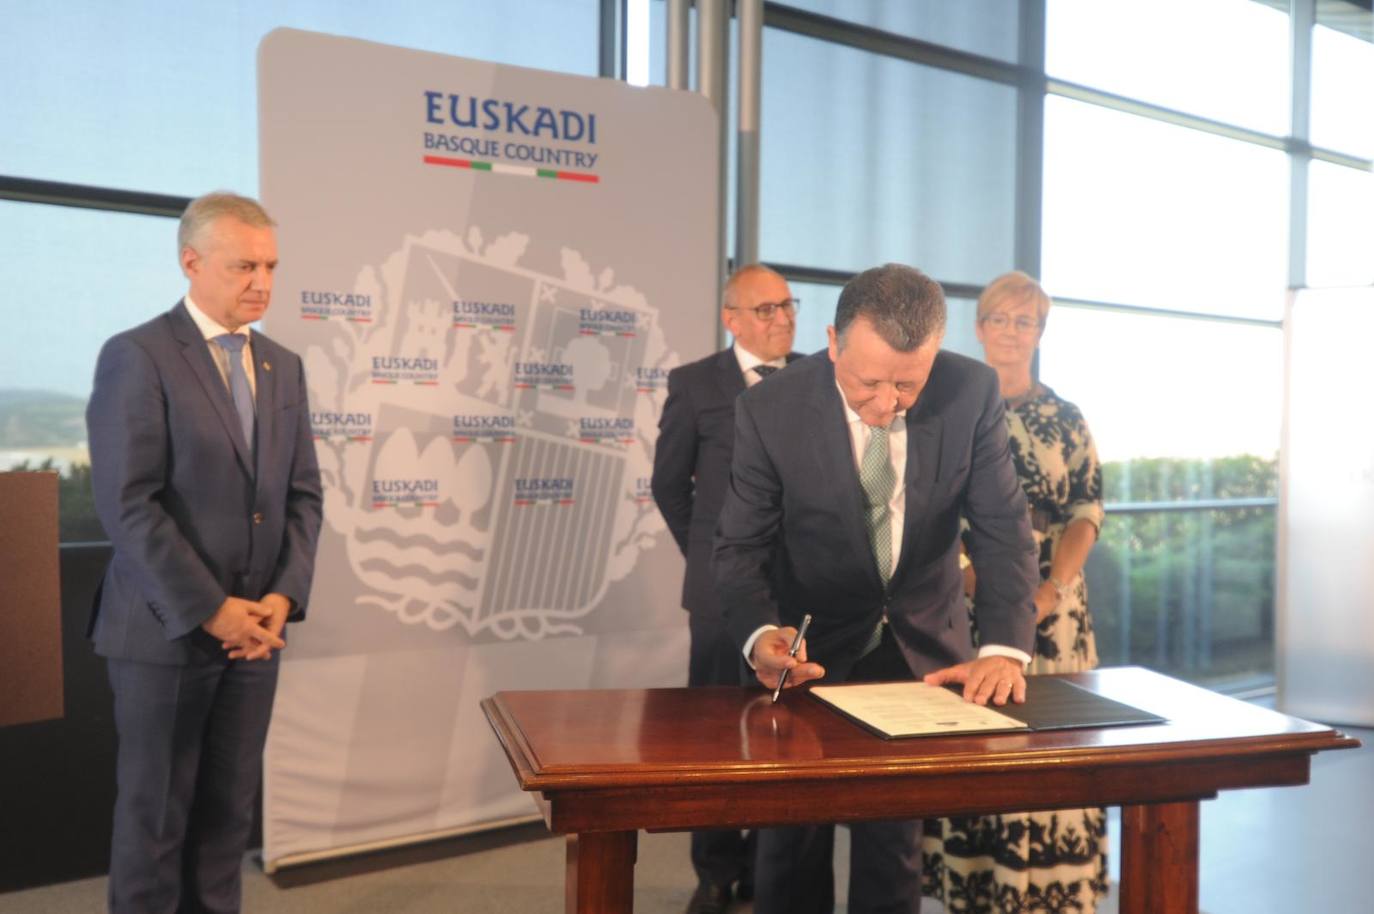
x,y
878,480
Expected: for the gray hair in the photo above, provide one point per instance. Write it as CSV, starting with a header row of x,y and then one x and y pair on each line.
x,y
1014,286
905,306
202,212
731,294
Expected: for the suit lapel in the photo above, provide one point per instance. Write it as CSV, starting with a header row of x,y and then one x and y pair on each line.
x,y
265,370
728,375
196,352
923,433
835,453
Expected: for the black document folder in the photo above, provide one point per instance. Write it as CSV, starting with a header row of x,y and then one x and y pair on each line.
x,y
898,710
1057,704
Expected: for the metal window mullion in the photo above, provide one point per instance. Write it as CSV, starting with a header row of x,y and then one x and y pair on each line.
x,y
1030,148
1301,18
823,276
1340,158
1201,504
748,114
1126,105
1146,310
611,39
678,32
890,44
84,196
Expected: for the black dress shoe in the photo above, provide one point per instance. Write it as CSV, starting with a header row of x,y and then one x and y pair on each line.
x,y
709,898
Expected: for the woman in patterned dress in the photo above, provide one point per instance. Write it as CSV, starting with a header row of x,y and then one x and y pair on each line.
x,y
1055,861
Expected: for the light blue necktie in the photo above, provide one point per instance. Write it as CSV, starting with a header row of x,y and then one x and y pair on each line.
x,y
232,344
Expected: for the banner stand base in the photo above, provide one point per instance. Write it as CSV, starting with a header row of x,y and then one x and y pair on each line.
x,y
289,860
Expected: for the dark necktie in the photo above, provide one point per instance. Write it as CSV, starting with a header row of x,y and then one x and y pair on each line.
x,y
242,392
764,371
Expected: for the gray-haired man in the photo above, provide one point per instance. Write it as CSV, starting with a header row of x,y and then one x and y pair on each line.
x,y
205,480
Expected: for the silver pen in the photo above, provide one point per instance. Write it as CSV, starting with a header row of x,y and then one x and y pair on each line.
x,y
796,646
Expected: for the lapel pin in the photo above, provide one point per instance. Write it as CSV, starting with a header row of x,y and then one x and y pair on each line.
x,y
266,365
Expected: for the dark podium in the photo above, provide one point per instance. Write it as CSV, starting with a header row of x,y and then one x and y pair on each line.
x,y
605,763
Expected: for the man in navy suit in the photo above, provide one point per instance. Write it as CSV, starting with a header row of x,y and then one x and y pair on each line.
x,y
696,435
205,480
859,463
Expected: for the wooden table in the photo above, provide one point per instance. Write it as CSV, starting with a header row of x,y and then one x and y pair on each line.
x,y
605,763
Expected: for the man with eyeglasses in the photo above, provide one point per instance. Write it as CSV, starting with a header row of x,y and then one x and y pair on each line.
x,y
691,474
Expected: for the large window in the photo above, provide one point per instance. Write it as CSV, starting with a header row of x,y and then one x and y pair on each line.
x,y
1145,213
1169,221
1151,169
986,27
1220,59
161,96
1148,179
1185,414
1340,245
1342,72
867,159
140,105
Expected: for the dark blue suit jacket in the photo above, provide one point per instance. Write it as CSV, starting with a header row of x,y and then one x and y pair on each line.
x,y
696,438
794,481
192,518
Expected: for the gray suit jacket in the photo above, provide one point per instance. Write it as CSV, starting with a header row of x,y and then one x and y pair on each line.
x,y
794,481
192,517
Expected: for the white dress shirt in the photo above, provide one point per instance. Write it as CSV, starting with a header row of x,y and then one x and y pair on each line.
x,y
210,328
748,362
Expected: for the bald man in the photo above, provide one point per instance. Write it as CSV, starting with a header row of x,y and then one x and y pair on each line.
x,y
691,474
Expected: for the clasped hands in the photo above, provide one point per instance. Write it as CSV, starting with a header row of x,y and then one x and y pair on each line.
x,y
248,629
992,679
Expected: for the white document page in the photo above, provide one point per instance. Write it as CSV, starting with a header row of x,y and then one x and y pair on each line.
x,y
913,709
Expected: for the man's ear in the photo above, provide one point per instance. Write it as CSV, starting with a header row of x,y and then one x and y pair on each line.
x,y
190,260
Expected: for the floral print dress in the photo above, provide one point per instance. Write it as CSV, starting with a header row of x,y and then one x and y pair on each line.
x,y
1054,861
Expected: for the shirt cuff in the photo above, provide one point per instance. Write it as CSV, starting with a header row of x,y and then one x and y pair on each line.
x,y
998,650
749,645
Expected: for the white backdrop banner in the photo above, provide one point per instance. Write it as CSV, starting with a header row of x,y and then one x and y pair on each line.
x,y
489,271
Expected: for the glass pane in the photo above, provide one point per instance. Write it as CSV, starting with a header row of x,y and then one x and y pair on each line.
x,y
93,88
1342,77
959,336
867,159
986,27
1187,593
818,312
74,277
658,44
1163,393
1141,212
1222,59
1340,233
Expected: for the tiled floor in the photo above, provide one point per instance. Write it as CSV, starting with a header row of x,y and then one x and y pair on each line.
x,y
1300,850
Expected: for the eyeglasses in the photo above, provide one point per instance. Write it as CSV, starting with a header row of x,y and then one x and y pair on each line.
x,y
765,311
998,321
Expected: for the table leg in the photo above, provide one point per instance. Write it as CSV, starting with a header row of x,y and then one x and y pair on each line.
x,y
601,873
1159,858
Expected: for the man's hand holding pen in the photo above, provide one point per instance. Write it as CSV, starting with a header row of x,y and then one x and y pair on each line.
x,y
772,654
